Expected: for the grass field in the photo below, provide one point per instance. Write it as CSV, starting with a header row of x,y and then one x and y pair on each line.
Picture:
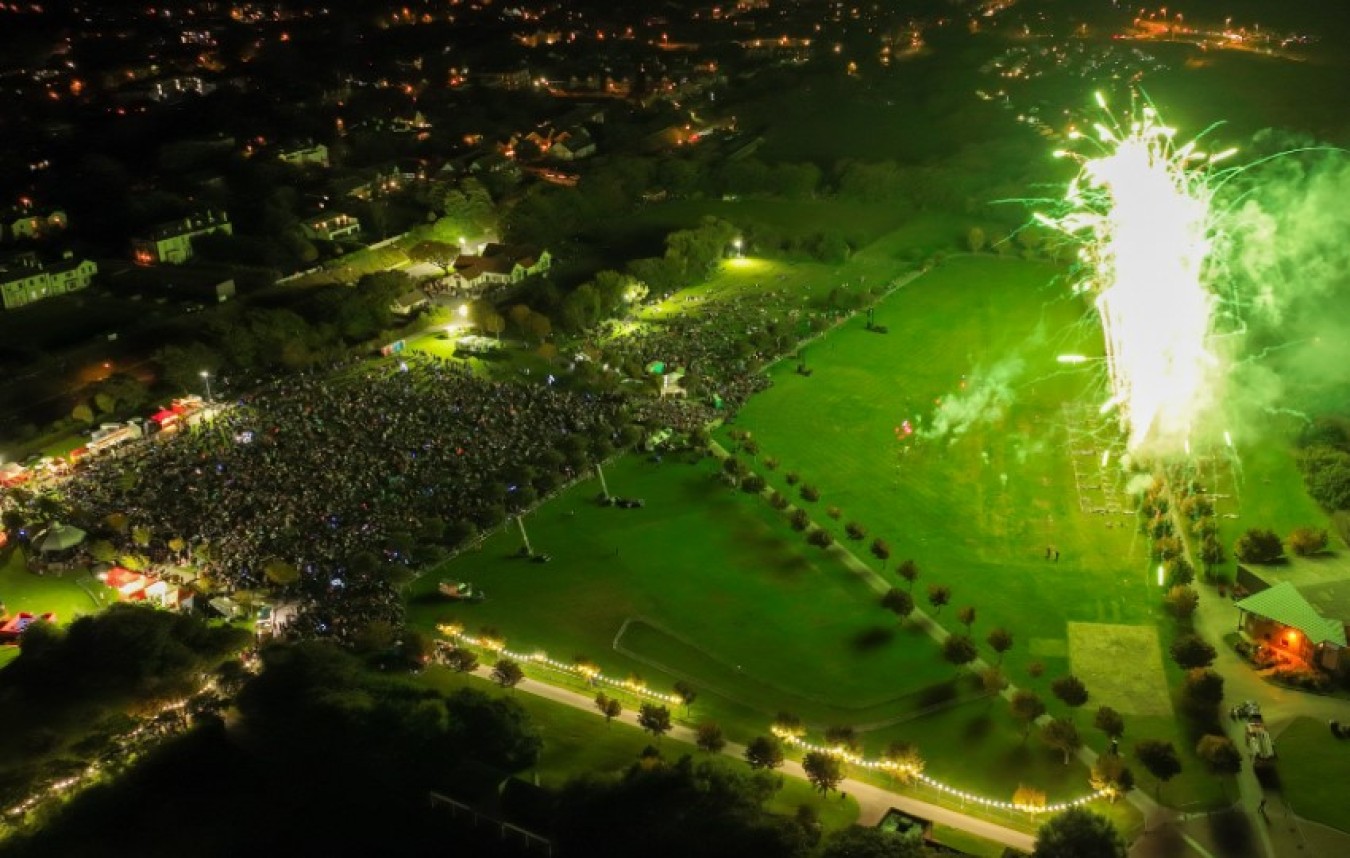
x,y
710,585
717,590
1312,766
976,507
576,742
21,590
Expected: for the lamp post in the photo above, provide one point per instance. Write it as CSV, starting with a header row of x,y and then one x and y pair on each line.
x,y
738,244
206,377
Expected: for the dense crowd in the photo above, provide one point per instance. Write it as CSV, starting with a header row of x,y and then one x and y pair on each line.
x,y
321,473
721,347
346,478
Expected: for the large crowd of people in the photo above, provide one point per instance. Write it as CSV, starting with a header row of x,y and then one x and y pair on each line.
x,y
320,473
327,485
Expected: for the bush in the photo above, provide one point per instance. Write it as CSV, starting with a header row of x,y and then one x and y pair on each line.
x,y
1307,541
810,493
753,484
792,478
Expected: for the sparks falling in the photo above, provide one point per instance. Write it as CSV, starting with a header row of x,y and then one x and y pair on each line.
x,y
1141,210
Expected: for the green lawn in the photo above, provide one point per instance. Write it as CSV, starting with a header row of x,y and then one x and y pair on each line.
x,y
976,507
577,742
1312,764
717,589
68,595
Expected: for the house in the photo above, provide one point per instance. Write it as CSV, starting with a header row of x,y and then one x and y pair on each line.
x,y
171,242
509,79
29,222
498,264
408,302
1282,617
24,279
331,226
573,145
300,156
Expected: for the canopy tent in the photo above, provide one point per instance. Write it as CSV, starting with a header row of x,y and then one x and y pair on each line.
x,y
59,537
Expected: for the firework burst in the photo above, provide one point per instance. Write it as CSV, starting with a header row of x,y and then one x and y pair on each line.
x,y
1140,208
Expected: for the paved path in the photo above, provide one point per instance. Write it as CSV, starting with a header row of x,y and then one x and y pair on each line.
x,y
873,801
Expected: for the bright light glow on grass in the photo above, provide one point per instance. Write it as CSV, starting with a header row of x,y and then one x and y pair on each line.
x,y
1141,209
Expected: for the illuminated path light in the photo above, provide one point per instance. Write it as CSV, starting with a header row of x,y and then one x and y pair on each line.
x,y
541,658
456,633
1142,213
905,771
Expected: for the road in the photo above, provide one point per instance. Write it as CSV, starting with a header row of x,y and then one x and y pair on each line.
x,y
873,801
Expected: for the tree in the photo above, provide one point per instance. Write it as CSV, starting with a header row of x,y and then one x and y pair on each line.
x,y
975,239
1182,601
710,738
1109,721
439,253
1191,651
1000,640
809,493
608,706
494,324
966,616
824,771
1079,833
799,520
906,761
462,660
1111,775
1220,754
959,650
939,595
842,736
539,326
1160,758
764,752
909,570
1259,546
1062,735
507,673
1070,690
820,538
1026,707
687,694
1029,798
788,724
898,602
1307,541
734,468
855,531
654,719
1203,691
881,551
993,681
858,842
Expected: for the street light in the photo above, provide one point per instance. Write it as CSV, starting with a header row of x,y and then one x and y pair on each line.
x,y
737,244
206,377
464,311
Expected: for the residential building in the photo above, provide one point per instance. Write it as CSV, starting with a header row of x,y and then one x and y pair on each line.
x,y
29,222
498,264
24,280
331,226
171,242
573,145
309,153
